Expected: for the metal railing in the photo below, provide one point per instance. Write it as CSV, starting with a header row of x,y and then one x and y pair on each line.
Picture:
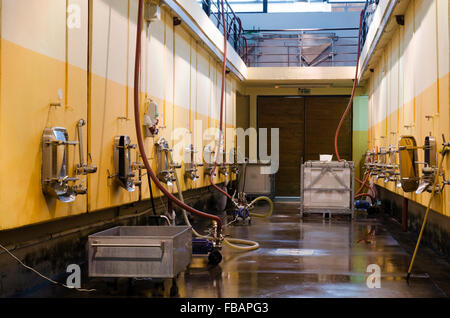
x,y
291,47
302,47
235,32
368,12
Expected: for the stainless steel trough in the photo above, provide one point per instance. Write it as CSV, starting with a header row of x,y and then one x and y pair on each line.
x,y
140,251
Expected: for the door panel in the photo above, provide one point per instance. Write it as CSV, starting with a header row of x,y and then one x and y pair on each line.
x,y
287,114
307,128
322,116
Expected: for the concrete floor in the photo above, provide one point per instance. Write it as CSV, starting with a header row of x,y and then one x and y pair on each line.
x,y
313,257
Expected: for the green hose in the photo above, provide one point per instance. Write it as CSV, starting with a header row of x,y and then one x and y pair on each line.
x,y
262,215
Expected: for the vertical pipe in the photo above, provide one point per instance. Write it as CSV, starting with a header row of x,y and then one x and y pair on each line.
x,y
66,66
437,60
405,214
89,88
128,63
163,18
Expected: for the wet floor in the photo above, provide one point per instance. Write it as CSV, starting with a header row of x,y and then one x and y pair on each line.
x,y
313,257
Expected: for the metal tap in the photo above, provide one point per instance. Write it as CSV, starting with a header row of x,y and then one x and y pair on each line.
x,y
190,166
166,166
223,169
82,167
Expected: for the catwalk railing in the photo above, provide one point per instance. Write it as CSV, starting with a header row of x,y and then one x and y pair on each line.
x,y
290,47
235,32
368,12
302,47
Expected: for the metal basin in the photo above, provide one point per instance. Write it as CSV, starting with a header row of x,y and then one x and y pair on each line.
x,y
140,251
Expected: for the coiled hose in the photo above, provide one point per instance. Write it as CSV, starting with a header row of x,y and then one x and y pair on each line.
x,y
263,198
230,242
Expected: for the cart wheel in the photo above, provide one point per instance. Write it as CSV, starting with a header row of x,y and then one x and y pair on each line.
x,y
214,257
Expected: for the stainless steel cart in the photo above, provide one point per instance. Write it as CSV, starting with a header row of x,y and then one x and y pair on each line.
x,y
140,251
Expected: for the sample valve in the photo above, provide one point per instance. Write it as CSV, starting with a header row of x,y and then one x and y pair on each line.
x,y
381,164
208,154
165,167
223,166
83,168
234,160
391,167
190,166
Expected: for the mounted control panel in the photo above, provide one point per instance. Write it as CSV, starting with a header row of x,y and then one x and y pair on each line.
x,y
151,119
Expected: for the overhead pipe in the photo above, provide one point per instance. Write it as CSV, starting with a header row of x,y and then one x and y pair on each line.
x,y
139,136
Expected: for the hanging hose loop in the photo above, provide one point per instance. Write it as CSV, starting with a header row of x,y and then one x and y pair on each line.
x,y
140,139
349,106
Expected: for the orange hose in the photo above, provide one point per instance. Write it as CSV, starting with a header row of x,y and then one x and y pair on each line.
x,y
363,184
349,106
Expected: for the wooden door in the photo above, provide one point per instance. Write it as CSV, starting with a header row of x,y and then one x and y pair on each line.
x,y
322,116
287,114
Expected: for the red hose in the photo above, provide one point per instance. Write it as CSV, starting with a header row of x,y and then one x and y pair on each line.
x,y
139,130
349,106
363,183
231,25
222,96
